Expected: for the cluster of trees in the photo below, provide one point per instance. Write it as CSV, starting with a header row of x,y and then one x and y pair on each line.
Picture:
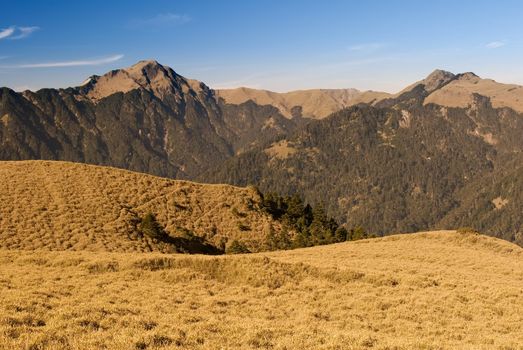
x,y
311,226
185,241
303,226
150,227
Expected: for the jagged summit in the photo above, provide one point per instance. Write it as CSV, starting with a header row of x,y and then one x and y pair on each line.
x,y
434,81
149,69
468,76
151,62
90,80
458,90
146,74
437,79
440,72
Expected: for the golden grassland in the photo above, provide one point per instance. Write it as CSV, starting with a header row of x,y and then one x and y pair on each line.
x,y
436,290
72,206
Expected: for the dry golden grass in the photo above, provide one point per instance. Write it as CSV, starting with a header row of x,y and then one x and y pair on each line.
x,y
439,290
71,206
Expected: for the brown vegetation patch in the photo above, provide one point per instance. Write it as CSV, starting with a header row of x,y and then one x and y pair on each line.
x,y
280,150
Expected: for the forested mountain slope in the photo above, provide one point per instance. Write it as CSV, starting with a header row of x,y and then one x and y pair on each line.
x,y
402,165
144,118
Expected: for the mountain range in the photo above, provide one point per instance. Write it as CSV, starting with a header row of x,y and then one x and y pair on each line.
x,y
444,152
144,118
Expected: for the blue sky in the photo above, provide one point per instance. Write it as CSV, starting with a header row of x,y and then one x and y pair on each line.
x,y
277,45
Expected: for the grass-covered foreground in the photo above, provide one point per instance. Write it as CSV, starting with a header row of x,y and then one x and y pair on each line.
x,y
440,290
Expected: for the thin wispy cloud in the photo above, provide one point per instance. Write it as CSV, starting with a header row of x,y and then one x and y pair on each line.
x,y
367,47
7,32
75,63
496,44
161,20
24,32
361,62
17,32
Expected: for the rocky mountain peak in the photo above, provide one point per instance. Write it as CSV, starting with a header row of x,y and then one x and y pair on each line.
x,y
437,79
143,63
147,74
149,70
469,76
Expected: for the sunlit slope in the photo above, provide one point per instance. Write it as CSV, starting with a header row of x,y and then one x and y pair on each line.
x,y
71,206
439,290
314,103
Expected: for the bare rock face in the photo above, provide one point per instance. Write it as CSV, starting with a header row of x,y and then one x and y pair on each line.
x,y
437,79
470,76
148,75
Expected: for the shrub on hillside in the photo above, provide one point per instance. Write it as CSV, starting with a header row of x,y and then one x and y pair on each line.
x,y
237,247
464,230
150,227
358,233
279,241
310,226
243,227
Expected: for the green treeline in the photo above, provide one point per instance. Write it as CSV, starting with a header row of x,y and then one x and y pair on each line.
x,y
312,226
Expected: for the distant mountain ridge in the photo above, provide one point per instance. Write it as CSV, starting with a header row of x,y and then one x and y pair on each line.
x,y
315,103
145,118
444,88
148,75
460,90
457,90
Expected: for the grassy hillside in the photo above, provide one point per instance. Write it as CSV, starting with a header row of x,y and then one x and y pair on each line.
x,y
70,206
438,290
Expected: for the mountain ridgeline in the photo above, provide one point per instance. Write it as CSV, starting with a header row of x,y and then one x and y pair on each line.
x,y
145,118
445,152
